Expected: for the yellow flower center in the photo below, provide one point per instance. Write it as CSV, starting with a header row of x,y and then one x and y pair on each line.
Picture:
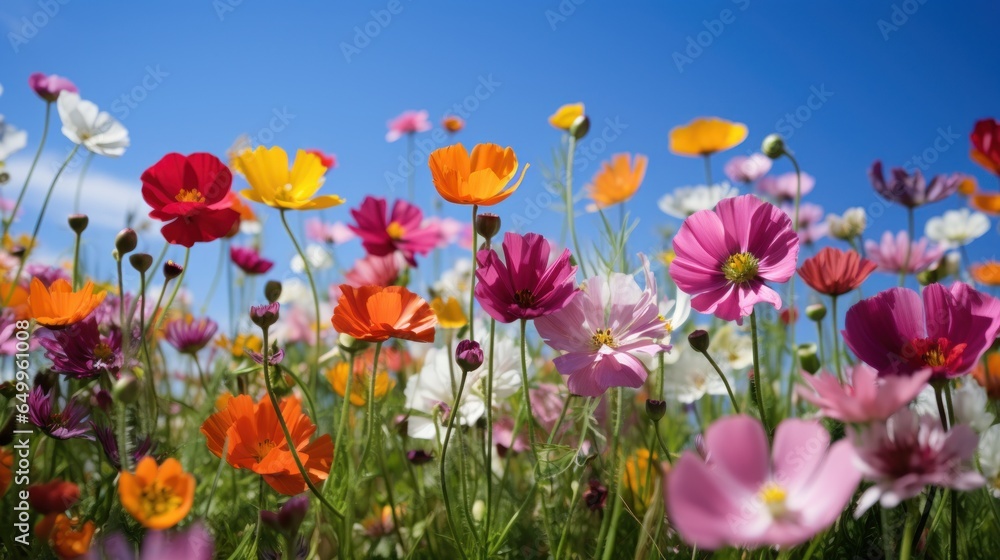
x,y
395,230
667,324
157,499
263,448
193,195
102,352
740,268
774,497
603,338
934,357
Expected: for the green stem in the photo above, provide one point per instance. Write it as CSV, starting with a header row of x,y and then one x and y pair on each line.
x,y
488,467
76,262
609,525
31,170
444,455
909,536
524,386
570,220
123,456
836,339
218,273
173,293
314,366
79,182
729,389
708,170
345,412
472,280
758,375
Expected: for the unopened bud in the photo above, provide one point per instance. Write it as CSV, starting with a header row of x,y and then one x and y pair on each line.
x,y
272,291
655,409
808,358
816,312
699,340
580,127
773,146
172,270
78,223
141,262
125,241
487,225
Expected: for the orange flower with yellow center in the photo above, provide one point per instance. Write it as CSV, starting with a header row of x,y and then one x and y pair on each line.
x,y
617,180
987,273
67,537
565,116
705,136
337,376
253,439
377,313
987,374
157,496
58,306
482,178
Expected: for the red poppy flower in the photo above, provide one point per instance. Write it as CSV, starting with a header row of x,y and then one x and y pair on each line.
x,y
985,139
190,194
834,272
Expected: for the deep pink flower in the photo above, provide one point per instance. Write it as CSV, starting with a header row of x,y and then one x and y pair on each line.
x,y
743,494
408,122
249,260
189,336
402,230
890,254
909,452
725,255
524,285
607,322
898,334
747,169
49,87
782,187
865,397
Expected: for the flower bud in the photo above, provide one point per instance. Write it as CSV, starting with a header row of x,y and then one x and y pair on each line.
x,y
655,409
773,146
4,177
478,510
816,312
172,270
468,355
272,291
580,127
487,225
126,389
419,457
141,262
928,277
265,315
289,518
595,496
350,344
78,223
848,226
125,241
808,358
699,340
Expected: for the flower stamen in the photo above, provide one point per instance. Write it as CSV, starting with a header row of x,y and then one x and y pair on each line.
x,y
740,268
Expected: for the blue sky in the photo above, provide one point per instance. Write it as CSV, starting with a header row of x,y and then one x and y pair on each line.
x,y
898,78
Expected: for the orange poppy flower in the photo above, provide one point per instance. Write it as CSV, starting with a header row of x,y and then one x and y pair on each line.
x,y
480,179
987,374
987,273
337,376
158,497
706,135
58,306
67,538
377,313
18,302
617,180
6,470
257,442
453,124
985,202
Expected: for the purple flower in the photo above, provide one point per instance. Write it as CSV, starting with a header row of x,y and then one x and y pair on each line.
x,y
912,190
782,187
265,315
193,543
523,285
249,260
49,87
274,357
607,322
596,495
82,352
909,452
189,336
468,355
105,436
289,517
65,424
47,274
747,169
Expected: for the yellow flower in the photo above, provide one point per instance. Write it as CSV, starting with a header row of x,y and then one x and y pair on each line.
x,y
238,346
566,115
617,180
449,313
158,497
337,376
481,178
640,477
274,184
706,135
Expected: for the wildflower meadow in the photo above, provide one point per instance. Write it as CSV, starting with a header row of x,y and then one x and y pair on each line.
x,y
259,361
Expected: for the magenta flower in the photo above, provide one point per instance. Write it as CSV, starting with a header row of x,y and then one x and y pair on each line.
x,y
725,255
890,254
105,434
335,233
909,452
898,334
408,122
743,494
812,225
782,187
865,397
402,230
747,169
912,190
607,322
249,260
523,285
192,543
188,335
373,271
81,351
47,274
68,423
49,87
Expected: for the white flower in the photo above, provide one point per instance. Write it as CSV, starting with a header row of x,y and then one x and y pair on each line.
x,y
687,200
96,130
431,392
957,227
295,291
319,259
681,308
848,226
969,405
989,458
251,227
506,365
733,345
455,281
692,377
12,139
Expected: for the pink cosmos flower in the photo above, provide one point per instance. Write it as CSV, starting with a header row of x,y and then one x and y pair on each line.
x,y
742,494
812,225
49,87
188,335
865,397
747,169
335,233
408,122
782,187
451,231
249,260
725,255
374,271
909,452
524,285
890,254
898,334
605,323
402,230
